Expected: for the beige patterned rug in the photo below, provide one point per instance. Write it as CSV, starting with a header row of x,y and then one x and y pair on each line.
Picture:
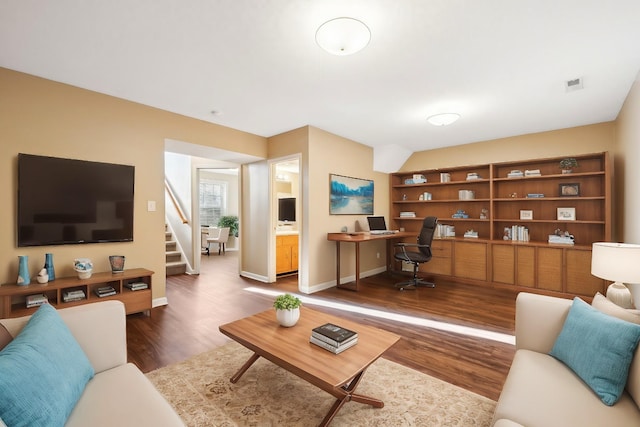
x,y
266,395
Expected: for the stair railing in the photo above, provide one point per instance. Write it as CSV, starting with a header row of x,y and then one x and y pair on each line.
x,y
175,203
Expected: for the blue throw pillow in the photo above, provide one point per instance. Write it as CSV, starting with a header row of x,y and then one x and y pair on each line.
x,y
43,372
598,348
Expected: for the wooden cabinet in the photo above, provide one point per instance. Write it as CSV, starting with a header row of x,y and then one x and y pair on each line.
x,y
13,297
493,201
441,258
286,253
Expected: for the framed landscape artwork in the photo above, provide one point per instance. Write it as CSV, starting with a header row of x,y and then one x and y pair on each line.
x,y
350,196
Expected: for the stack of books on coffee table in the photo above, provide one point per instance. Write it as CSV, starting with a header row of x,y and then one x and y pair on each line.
x,y
333,338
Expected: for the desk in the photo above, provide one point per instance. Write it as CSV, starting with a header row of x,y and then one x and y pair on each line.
x,y
358,238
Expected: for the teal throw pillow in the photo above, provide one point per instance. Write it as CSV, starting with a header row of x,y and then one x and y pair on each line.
x,y
43,373
598,348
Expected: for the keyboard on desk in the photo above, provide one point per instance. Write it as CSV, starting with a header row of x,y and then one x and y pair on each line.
x,y
383,232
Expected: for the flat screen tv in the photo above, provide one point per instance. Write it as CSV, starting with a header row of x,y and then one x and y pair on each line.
x,y
287,209
65,201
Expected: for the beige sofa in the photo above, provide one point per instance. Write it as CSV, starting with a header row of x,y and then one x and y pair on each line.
x,y
119,394
542,391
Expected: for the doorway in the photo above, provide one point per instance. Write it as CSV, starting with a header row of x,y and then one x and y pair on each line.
x,y
286,216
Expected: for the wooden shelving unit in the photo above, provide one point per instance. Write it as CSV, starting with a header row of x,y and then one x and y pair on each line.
x,y
13,297
491,260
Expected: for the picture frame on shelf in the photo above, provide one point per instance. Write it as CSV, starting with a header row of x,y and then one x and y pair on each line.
x,y
526,214
566,214
569,190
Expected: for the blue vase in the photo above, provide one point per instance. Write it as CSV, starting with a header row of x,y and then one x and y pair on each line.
x,y
23,270
48,265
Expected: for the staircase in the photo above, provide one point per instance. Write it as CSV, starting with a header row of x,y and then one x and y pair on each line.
x,y
174,263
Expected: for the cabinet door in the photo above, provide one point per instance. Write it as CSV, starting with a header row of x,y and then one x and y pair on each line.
x,y
294,254
471,260
503,263
579,278
550,269
441,259
525,266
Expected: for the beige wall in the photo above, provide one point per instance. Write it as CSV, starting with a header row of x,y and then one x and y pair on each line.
x,y
337,155
579,140
42,117
628,147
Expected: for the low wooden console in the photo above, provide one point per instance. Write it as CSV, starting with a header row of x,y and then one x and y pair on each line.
x,y
13,297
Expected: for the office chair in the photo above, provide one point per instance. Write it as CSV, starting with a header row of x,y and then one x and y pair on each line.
x,y
422,255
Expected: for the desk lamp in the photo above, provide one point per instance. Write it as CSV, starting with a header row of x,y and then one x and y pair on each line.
x,y
619,263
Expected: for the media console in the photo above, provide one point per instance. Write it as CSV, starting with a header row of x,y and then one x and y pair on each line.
x,y
13,298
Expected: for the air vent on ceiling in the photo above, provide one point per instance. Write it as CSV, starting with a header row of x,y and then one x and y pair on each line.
x,y
573,84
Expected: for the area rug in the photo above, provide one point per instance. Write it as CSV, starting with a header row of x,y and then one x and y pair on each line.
x,y
266,395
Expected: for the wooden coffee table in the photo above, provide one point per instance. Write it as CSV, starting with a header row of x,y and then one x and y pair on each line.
x,y
289,348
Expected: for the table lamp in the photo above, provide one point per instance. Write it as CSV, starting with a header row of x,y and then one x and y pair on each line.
x,y
619,263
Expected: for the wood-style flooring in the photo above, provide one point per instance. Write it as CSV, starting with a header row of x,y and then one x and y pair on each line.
x,y
188,325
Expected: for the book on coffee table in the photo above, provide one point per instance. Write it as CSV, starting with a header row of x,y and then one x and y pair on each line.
x,y
332,348
333,334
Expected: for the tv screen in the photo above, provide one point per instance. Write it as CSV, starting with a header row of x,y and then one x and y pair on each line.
x,y
65,201
287,209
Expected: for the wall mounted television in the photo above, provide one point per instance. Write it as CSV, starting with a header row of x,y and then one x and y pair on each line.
x,y
66,201
287,209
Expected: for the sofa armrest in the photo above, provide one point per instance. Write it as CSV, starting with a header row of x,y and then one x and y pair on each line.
x,y
539,320
100,329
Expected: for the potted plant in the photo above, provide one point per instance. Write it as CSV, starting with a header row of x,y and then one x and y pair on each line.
x,y
568,164
287,309
230,221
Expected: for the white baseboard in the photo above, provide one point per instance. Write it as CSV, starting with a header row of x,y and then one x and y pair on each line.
x,y
253,276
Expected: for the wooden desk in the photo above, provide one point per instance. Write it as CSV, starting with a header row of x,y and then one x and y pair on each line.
x,y
289,348
358,238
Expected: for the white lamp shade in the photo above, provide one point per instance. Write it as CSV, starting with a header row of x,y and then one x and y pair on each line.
x,y
343,36
616,262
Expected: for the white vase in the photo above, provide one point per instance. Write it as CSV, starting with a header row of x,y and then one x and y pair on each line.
x,y
288,318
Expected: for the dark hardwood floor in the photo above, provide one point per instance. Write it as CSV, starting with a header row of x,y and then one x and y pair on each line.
x,y
199,304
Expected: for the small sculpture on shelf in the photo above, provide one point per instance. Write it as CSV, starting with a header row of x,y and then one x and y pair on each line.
x,y
43,276
484,213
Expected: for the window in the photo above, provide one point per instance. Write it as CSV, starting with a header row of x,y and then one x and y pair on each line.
x,y
213,201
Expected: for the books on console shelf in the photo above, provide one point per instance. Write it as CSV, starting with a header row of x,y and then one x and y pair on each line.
x,y
70,296
561,240
334,333
535,195
36,300
332,348
515,174
532,172
136,286
407,214
105,291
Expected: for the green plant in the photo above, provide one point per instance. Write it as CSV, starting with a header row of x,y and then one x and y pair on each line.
x,y
286,302
568,163
230,221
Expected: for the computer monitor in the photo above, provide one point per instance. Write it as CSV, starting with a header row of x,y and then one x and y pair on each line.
x,y
376,223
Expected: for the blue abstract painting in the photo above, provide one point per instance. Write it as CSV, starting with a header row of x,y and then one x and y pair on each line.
x,y
350,196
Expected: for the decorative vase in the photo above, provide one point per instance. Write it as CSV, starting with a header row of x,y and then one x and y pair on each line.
x,y
620,295
23,270
48,264
117,263
288,318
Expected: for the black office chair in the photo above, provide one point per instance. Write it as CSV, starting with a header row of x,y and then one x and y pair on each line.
x,y
422,255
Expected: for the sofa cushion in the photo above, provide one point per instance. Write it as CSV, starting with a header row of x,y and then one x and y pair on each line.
x,y
43,372
122,396
598,348
541,391
601,303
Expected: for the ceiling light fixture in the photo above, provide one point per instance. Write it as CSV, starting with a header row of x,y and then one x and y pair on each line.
x,y
343,36
443,119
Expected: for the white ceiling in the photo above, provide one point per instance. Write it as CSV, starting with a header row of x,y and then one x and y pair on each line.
x,y
501,64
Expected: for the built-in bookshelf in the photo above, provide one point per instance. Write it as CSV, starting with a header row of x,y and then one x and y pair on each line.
x,y
509,212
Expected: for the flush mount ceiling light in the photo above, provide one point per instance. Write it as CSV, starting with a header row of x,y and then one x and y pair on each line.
x,y
343,36
443,119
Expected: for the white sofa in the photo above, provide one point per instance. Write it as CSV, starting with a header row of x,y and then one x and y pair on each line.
x,y
542,391
119,394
